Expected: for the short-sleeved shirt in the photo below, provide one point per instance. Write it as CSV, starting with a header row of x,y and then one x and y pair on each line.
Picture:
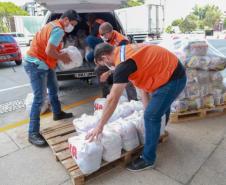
x,y
55,39
123,71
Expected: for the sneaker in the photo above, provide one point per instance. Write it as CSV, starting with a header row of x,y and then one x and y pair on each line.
x,y
139,165
62,115
37,140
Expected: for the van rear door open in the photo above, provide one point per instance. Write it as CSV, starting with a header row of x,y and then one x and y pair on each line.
x,y
81,5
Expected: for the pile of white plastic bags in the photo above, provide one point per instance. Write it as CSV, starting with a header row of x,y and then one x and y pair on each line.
x,y
124,130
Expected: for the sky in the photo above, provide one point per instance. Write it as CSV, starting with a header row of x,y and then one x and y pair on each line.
x,y
174,8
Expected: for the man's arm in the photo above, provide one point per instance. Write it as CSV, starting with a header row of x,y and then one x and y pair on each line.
x,y
55,39
109,108
51,51
145,98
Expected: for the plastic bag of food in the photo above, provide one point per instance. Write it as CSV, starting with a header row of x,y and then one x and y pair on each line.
x,y
112,145
75,56
199,62
218,99
87,155
86,122
203,77
195,104
100,102
208,101
128,133
192,75
198,48
216,76
206,89
224,97
179,106
192,90
217,63
29,100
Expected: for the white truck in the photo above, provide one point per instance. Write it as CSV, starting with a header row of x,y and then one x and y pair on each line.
x,y
142,22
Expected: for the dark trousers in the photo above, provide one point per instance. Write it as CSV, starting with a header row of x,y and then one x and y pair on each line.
x,y
106,86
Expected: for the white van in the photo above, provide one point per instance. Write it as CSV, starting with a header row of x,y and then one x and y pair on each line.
x,y
101,8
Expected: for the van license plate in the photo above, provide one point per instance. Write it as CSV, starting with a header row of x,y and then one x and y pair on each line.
x,y
84,75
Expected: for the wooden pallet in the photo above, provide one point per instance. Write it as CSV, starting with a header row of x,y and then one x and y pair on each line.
x,y
198,114
57,138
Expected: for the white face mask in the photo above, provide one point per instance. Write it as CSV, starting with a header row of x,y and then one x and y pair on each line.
x,y
111,68
69,28
104,39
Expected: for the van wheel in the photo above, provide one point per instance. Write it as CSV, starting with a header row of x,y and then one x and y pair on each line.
x,y
18,62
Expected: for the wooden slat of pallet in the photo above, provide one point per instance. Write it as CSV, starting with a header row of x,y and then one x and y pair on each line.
x,y
198,114
60,147
63,155
63,131
60,139
69,163
55,127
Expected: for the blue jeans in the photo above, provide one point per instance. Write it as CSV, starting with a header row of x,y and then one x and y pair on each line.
x,y
92,41
41,80
159,105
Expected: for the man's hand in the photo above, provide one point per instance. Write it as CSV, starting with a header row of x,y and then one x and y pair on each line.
x,y
104,76
52,51
94,133
65,58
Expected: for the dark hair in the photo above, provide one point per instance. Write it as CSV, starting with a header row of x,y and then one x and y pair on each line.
x,y
102,49
91,17
72,15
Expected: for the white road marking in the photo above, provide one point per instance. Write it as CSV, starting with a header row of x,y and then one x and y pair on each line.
x,y
15,87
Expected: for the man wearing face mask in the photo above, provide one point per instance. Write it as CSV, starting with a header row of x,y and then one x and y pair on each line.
x,y
152,69
41,61
105,75
94,37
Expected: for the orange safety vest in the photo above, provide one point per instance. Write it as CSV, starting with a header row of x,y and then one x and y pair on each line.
x,y
40,42
116,38
155,65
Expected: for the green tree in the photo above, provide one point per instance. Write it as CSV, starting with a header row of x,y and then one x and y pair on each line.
x,y
7,11
131,3
169,29
199,11
188,24
212,16
177,22
225,23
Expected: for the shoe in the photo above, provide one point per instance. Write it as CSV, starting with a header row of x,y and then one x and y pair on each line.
x,y
139,165
62,115
37,140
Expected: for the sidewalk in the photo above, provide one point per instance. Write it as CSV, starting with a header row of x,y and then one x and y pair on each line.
x,y
195,154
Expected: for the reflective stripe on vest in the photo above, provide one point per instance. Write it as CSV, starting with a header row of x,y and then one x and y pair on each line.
x,y
123,53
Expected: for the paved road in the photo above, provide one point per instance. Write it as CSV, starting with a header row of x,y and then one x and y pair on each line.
x,y
15,86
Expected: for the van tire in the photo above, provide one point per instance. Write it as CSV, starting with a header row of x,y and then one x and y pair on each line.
x,y
18,62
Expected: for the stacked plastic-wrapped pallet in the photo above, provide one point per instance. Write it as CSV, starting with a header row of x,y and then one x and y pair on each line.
x,y
204,65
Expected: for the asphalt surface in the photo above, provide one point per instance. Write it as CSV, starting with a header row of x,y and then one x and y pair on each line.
x,y
14,87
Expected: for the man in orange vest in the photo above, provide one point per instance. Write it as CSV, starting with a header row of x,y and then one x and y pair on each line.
x,y
41,60
104,74
94,37
153,70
